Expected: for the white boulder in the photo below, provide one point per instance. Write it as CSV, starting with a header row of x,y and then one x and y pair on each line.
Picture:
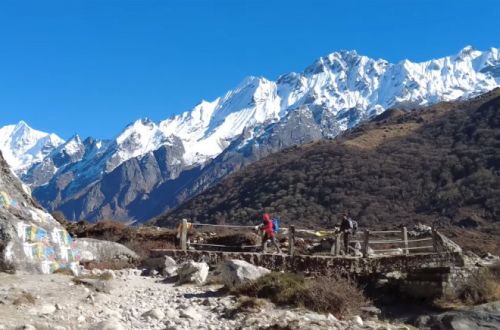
x,y
235,272
192,272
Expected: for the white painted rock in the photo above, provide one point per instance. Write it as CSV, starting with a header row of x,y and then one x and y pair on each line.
x,y
32,240
235,272
193,272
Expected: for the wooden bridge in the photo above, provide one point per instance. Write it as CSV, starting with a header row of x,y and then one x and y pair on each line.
x,y
378,252
428,266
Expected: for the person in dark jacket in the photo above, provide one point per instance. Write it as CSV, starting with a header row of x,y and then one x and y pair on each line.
x,y
348,227
268,233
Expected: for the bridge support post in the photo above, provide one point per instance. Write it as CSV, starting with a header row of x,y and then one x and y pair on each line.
x,y
405,240
291,240
184,226
366,242
336,245
434,240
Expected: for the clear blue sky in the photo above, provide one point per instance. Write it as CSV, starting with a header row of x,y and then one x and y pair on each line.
x,y
91,67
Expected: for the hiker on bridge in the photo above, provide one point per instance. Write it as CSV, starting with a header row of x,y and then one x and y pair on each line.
x,y
269,228
348,227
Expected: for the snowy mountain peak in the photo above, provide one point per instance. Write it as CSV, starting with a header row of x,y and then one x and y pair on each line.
x,y
23,146
73,146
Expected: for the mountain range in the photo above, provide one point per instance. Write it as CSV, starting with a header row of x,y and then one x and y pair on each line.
x,y
151,167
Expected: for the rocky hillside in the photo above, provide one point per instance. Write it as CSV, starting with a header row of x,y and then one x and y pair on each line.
x,y
438,164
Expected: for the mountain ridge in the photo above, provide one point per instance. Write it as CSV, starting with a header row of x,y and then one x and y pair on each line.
x,y
333,94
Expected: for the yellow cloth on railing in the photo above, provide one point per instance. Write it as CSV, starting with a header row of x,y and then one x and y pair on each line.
x,y
179,228
323,233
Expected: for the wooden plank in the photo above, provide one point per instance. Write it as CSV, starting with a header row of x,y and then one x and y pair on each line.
x,y
405,240
420,240
385,232
184,235
410,248
434,240
366,242
387,241
291,240
225,226
338,239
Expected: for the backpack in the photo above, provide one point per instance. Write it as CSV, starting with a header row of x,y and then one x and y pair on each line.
x,y
353,225
276,224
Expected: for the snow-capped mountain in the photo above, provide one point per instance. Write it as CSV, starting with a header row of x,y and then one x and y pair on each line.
x,y
189,152
338,83
23,146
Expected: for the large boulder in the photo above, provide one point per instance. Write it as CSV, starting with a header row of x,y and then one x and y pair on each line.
x,y
486,316
235,272
104,251
31,240
164,265
192,272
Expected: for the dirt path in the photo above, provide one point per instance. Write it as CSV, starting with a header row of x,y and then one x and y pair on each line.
x,y
131,301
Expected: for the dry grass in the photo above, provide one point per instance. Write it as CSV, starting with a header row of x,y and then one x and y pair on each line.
x,y
139,239
338,296
375,137
24,298
113,265
246,305
64,271
143,248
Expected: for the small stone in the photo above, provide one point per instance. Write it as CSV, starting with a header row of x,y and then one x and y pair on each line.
x,y
332,318
358,320
155,313
371,311
109,273
171,313
190,313
28,327
59,307
81,319
110,324
46,309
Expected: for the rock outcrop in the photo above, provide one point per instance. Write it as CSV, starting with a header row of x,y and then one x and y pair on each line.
x,y
103,251
31,240
486,316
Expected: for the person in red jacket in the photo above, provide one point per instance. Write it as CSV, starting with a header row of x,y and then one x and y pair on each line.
x,y
268,233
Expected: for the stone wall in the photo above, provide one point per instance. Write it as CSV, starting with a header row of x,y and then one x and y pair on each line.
x,y
323,265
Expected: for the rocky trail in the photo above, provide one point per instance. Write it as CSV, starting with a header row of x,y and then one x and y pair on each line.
x,y
131,301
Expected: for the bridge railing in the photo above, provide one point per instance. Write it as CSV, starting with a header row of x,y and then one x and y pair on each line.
x,y
368,242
